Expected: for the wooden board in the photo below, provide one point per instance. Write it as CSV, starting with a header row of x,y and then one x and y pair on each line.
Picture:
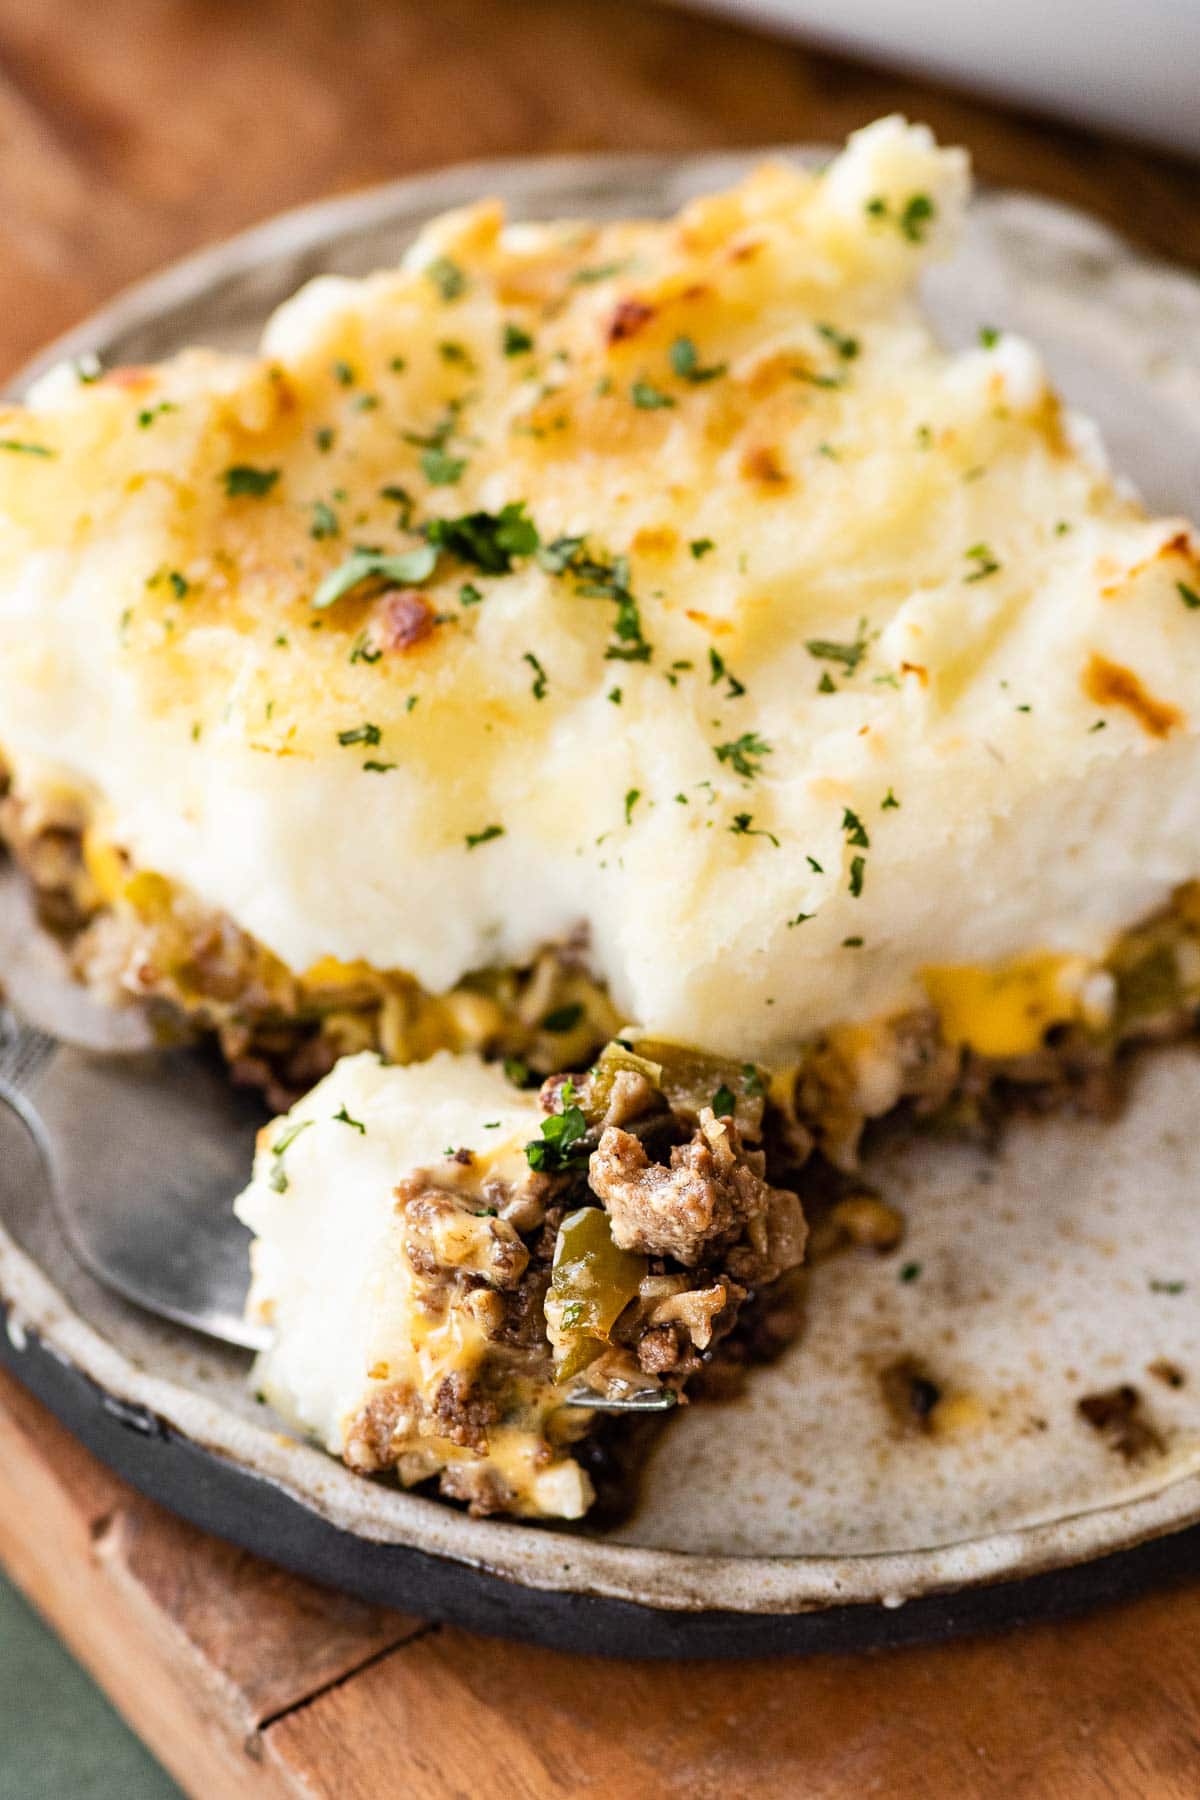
x,y
135,130
245,1681
131,132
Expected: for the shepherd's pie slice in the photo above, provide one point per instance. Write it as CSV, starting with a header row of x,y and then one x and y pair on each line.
x,y
657,599
443,1260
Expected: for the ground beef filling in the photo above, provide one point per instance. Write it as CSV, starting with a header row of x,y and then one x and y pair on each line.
x,y
623,1272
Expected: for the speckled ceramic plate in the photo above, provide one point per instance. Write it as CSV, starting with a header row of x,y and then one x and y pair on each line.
x,y
816,1510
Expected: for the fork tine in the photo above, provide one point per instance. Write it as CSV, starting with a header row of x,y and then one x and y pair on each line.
x,y
640,1400
24,1051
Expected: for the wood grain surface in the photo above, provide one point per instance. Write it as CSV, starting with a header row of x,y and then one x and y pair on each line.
x,y
246,1681
132,131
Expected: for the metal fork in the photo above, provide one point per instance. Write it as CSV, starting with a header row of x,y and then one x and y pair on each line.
x,y
145,1147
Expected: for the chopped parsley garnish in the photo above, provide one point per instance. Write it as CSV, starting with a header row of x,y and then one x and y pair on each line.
x,y
597,272
179,585
360,734
916,213
440,469
457,355
362,650
846,347
436,438
516,1070
910,1272
799,919
858,866
244,480
649,398
815,379
516,341
560,1133
378,768
148,414
855,830
700,547
744,826
1188,595
1168,1287
989,337
723,1102
342,1117
403,570
826,685
475,838
889,803
559,554
852,943
343,374
23,447
816,867
720,672
487,540
563,1018
687,365
631,800
540,679
324,439
614,696
752,1081
447,277
744,755
599,579
277,1179
324,521
287,1138
401,497
469,594
985,563
849,655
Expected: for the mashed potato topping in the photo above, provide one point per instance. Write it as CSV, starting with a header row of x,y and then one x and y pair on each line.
x,y
365,1336
664,581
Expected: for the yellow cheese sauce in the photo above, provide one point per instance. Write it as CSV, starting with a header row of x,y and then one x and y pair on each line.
x,y
1007,1011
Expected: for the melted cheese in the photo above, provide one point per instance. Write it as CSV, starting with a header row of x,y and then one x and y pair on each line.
x,y
1006,1011
810,707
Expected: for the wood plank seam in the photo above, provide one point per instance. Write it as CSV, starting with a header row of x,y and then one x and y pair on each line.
x,y
388,1650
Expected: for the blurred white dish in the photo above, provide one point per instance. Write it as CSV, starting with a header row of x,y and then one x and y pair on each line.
x,y
1131,68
